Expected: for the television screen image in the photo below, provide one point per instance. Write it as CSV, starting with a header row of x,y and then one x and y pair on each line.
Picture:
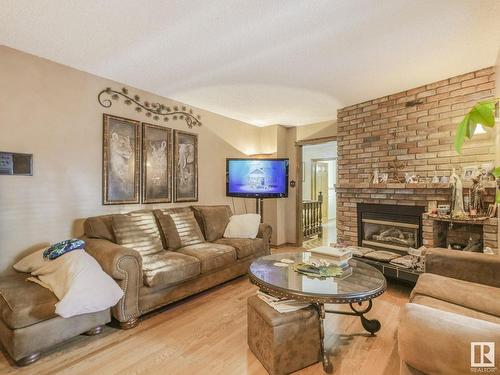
x,y
258,178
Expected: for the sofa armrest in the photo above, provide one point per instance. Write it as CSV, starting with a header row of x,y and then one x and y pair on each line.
x,y
124,265
439,342
265,232
474,267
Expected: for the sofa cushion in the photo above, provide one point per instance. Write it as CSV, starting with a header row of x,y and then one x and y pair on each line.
x,y
244,246
382,256
169,267
479,297
211,255
243,226
168,232
100,227
213,220
359,251
138,230
179,227
24,303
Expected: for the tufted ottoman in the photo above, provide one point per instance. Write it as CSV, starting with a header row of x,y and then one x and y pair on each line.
x,y
283,342
29,324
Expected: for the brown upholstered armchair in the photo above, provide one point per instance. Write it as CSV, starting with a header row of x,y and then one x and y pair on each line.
x,y
456,302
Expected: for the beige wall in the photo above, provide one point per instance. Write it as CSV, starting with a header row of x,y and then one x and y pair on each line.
x,y
318,130
51,110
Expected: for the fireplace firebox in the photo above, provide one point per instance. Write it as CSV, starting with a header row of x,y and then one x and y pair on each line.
x,y
389,227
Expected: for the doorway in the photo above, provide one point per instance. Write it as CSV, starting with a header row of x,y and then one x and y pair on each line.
x,y
318,205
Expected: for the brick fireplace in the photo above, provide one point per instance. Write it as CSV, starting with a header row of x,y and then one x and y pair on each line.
x,y
411,131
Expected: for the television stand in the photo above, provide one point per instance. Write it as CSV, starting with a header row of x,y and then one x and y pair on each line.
x,y
259,208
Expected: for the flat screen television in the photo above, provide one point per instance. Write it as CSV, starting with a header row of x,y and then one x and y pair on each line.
x,y
257,178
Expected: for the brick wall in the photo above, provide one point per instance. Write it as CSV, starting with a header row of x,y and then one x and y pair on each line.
x,y
377,133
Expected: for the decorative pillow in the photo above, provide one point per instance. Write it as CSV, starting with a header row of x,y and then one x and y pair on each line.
x,y
169,236
187,228
100,227
63,247
212,220
382,256
138,230
74,279
359,251
243,226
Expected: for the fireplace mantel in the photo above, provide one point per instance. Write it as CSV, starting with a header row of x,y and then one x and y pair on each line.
x,y
389,185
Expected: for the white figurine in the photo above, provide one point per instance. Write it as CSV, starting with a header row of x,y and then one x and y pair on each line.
x,y
457,201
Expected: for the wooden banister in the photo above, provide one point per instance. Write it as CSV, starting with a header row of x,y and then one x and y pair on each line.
x,y
312,217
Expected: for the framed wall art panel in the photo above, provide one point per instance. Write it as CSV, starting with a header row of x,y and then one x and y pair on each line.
x,y
121,160
185,166
156,164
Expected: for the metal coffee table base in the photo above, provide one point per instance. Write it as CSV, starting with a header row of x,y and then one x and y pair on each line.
x,y
371,325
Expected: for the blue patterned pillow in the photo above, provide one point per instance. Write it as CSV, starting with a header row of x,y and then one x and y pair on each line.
x,y
63,247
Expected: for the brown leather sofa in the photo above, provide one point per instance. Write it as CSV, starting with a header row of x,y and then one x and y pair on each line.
x,y
161,256
456,302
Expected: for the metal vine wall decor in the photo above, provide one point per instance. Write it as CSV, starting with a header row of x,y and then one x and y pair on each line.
x,y
156,111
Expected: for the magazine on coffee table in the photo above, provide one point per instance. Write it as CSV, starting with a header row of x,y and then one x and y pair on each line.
x,y
282,305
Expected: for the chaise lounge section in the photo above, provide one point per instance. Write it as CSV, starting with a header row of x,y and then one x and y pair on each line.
x,y
455,303
161,256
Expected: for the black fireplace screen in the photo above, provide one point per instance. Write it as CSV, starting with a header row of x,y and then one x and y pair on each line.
x,y
389,227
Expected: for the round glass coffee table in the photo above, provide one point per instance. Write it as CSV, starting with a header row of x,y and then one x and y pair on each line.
x,y
358,283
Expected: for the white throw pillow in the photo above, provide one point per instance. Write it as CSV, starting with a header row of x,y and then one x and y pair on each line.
x,y
243,226
76,279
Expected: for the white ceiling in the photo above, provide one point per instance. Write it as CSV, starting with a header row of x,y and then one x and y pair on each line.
x,y
264,62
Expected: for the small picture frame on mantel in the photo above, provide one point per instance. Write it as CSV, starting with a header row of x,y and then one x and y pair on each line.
x,y
469,172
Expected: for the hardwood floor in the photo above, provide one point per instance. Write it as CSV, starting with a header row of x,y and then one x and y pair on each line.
x,y
206,334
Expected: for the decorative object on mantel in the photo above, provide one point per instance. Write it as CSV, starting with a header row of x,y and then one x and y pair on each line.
x,y
156,111
443,209
457,201
476,198
411,178
492,210
383,177
486,170
394,168
470,172
375,179
482,114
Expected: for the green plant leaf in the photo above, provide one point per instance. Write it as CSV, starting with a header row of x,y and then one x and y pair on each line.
x,y
496,172
483,113
498,197
462,132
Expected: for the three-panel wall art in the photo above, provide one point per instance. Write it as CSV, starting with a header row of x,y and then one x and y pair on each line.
x,y
148,163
